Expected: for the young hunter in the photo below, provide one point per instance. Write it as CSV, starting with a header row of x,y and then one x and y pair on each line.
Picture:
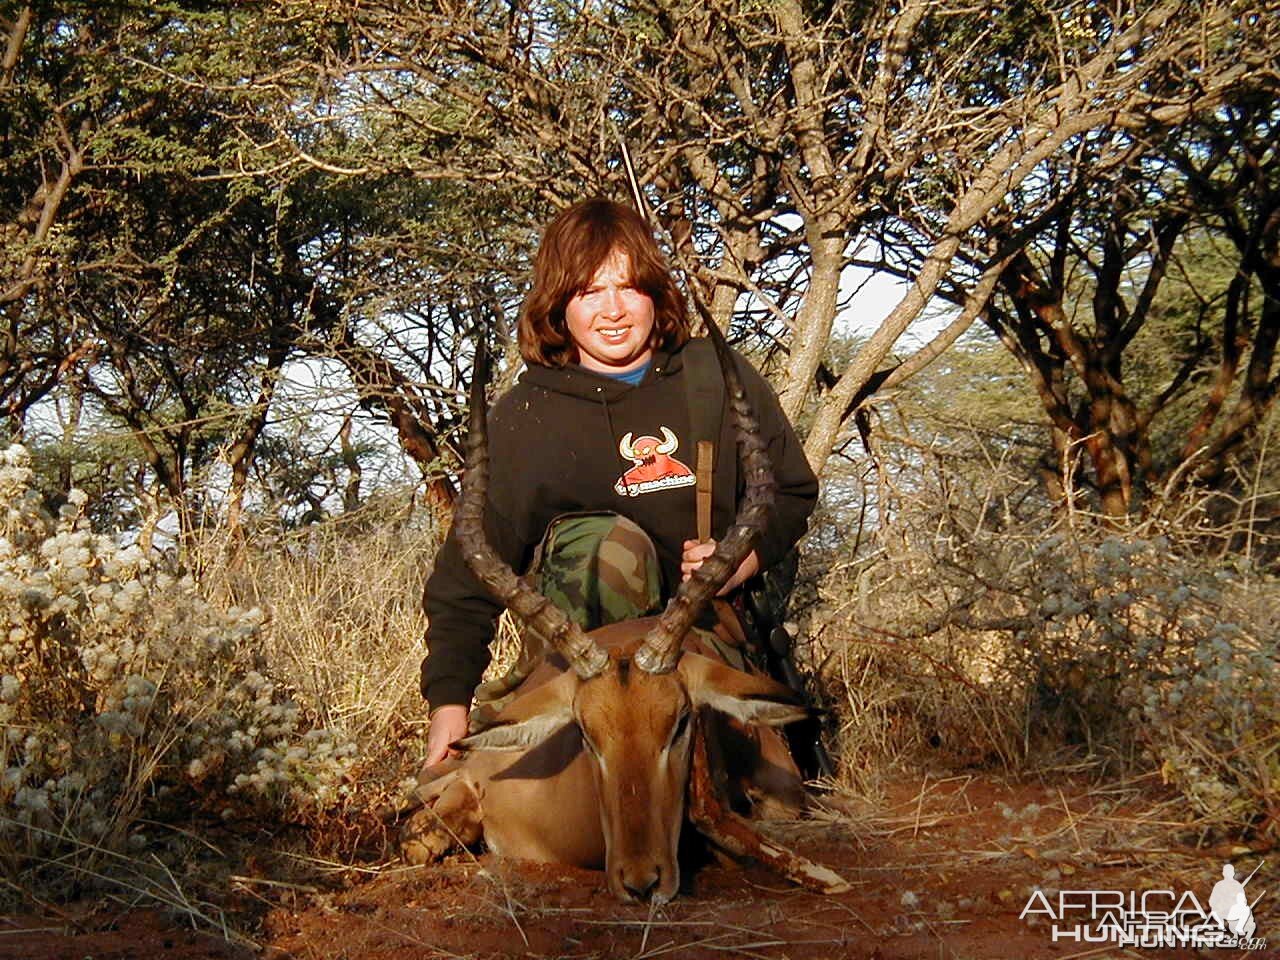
x,y
592,463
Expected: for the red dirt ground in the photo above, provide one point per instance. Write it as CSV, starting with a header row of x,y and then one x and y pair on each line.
x,y
941,868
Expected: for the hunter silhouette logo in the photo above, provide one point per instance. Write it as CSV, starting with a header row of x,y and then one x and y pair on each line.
x,y
654,466
1230,903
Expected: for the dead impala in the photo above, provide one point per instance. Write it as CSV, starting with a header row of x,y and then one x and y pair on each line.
x,y
592,762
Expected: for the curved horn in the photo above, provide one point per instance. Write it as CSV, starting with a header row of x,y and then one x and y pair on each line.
x,y
669,442
661,647
584,654
624,447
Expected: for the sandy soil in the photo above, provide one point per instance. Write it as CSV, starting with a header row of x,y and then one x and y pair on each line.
x,y
941,868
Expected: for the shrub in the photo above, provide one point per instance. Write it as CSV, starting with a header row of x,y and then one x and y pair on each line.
x,y
984,633
127,696
1171,657
347,626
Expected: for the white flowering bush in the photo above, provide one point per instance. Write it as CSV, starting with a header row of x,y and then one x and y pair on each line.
x,y
126,695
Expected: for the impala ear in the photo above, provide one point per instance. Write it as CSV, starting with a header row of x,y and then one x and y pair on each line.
x,y
517,735
529,719
743,696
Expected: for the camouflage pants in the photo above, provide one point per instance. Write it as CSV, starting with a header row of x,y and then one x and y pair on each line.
x,y
598,568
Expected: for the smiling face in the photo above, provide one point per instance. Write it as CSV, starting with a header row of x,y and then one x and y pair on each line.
x,y
610,320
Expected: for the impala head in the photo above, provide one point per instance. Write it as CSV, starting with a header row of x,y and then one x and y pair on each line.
x,y
637,728
634,704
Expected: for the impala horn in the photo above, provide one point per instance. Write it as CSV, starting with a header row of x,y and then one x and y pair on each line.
x,y
584,655
661,647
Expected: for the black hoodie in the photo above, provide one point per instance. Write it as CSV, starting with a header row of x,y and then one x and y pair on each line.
x,y
554,444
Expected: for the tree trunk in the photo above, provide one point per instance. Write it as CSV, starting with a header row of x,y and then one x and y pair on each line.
x,y
240,456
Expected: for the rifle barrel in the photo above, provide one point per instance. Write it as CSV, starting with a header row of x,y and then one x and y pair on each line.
x,y
1250,876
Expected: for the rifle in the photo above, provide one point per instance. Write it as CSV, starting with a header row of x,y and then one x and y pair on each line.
x,y
761,620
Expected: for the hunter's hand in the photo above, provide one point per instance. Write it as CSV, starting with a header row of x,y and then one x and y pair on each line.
x,y
448,724
696,552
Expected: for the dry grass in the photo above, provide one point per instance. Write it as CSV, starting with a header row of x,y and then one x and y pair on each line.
x,y
973,625
347,629
345,605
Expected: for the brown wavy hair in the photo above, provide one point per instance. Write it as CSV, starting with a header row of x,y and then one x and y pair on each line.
x,y
576,243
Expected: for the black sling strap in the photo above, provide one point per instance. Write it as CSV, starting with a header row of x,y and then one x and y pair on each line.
x,y
704,388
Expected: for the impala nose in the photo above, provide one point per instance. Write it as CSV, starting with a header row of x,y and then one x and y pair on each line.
x,y
640,884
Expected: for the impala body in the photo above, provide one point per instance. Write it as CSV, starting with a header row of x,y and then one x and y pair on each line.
x,y
594,772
